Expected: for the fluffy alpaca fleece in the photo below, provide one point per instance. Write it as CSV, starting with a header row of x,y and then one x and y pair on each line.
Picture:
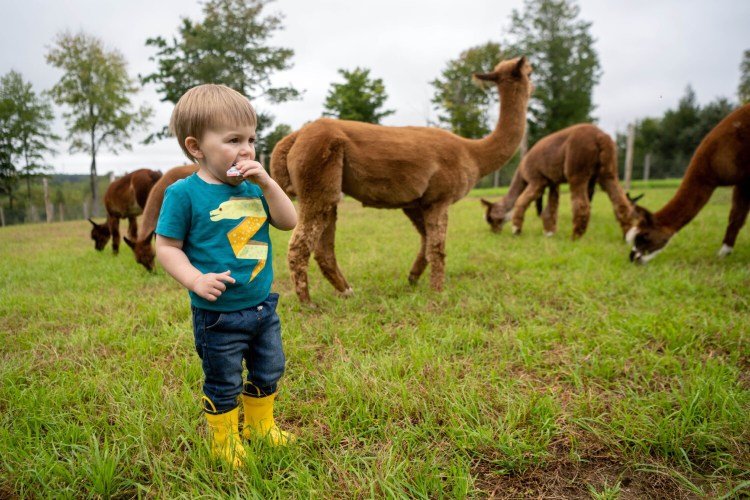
x,y
580,155
420,170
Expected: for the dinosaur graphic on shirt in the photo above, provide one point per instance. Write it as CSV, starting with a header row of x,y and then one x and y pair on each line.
x,y
251,211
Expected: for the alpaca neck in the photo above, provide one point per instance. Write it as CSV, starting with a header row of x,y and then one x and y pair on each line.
x,y
496,149
692,195
517,185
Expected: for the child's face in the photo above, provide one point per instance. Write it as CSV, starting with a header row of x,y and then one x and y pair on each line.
x,y
223,147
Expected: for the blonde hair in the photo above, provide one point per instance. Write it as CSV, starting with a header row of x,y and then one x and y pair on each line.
x,y
206,107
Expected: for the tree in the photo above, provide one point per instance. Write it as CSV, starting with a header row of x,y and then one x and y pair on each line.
x,y
230,46
96,89
359,98
28,120
743,90
268,142
465,107
566,66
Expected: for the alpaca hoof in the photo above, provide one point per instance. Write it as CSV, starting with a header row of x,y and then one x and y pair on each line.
x,y
724,251
310,306
516,231
549,234
413,280
347,293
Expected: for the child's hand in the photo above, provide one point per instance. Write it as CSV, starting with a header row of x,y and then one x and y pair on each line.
x,y
211,285
254,172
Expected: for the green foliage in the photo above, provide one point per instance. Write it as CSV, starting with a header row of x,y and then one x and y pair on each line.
x,y
96,90
229,46
25,125
546,368
743,90
268,142
359,98
672,139
465,107
565,65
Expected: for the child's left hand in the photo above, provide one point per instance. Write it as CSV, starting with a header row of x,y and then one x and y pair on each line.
x,y
254,172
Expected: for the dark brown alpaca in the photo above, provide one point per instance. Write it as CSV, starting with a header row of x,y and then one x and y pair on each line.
x,y
581,155
124,199
419,170
721,159
141,243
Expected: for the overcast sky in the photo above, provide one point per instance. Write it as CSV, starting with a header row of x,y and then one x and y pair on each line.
x,y
649,50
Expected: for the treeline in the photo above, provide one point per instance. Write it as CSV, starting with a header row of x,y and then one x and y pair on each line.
x,y
663,146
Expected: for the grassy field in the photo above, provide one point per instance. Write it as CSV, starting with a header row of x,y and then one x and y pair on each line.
x,y
546,369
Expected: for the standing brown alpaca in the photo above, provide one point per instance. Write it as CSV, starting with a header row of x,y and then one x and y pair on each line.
x,y
721,159
420,170
580,155
141,244
124,199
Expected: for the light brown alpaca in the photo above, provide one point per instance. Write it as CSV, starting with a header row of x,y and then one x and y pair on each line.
x,y
580,155
124,199
721,159
141,245
420,170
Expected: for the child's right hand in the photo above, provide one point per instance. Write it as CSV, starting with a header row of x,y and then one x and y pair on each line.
x,y
211,285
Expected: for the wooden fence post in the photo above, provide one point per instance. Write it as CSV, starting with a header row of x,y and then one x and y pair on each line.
x,y
647,167
2,217
48,208
629,157
60,209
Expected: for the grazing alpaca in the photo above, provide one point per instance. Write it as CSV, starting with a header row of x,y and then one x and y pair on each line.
x,y
141,243
420,170
124,199
721,159
581,155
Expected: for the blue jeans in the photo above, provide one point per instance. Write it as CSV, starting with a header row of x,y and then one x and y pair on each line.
x,y
224,339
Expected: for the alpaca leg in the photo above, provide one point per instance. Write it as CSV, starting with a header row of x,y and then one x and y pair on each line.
x,y
306,235
581,207
533,191
114,229
420,263
133,228
325,255
737,217
623,208
549,214
436,227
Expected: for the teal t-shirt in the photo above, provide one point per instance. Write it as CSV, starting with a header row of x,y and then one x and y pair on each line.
x,y
222,227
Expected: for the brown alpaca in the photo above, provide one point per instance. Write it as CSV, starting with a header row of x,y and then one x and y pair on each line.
x,y
420,170
141,243
581,155
124,199
721,159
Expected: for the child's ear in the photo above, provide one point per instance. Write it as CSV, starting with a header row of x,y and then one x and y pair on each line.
x,y
191,144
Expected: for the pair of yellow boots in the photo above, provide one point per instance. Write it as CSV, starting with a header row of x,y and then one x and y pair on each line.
x,y
224,434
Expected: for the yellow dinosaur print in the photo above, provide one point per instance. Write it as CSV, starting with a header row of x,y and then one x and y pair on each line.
x,y
251,211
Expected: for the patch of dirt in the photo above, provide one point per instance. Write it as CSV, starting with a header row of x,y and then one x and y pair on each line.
x,y
562,478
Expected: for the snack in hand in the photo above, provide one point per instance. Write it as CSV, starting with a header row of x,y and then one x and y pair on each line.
x,y
233,171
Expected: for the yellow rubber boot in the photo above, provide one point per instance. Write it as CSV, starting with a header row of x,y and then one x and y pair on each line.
x,y
226,443
259,422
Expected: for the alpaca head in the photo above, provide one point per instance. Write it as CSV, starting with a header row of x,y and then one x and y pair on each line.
x,y
496,214
647,238
143,251
100,234
513,71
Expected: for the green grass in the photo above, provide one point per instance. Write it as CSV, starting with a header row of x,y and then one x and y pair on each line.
x,y
547,368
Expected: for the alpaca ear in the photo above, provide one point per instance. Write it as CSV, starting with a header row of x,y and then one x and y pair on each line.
x,y
129,243
487,77
632,200
519,66
486,203
92,222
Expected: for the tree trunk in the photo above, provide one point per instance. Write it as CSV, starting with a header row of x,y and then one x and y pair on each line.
x,y
93,174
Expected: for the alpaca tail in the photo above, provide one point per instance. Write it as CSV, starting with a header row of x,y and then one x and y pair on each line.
x,y
279,169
